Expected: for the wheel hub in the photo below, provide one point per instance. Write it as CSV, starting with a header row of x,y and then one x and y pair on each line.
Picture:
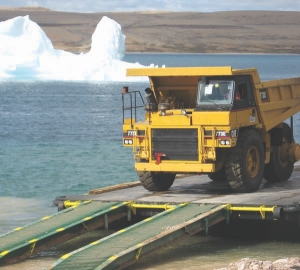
x,y
252,160
283,153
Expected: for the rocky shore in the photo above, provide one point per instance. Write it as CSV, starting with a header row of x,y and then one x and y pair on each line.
x,y
252,264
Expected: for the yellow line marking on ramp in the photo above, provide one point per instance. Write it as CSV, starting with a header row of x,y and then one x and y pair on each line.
x,y
112,258
4,252
33,240
66,256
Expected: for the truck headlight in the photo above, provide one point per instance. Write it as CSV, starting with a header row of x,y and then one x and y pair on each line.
x,y
128,142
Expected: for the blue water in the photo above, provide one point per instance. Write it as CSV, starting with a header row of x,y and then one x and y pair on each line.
x,y
59,138
270,66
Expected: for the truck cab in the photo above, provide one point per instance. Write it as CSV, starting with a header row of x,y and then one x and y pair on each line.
x,y
206,120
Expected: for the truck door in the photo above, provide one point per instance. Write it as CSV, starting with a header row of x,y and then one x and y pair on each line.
x,y
244,103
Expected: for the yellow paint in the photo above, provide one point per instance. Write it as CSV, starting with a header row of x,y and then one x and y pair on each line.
x,y
283,101
68,203
112,258
46,217
66,256
179,71
60,230
32,248
151,206
3,253
212,118
18,229
183,204
275,100
174,119
128,121
180,166
262,209
87,218
87,202
33,240
138,253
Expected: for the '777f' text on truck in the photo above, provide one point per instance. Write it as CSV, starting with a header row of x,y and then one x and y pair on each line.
x,y
218,121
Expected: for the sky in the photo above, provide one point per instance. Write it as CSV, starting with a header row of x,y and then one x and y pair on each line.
x,y
156,5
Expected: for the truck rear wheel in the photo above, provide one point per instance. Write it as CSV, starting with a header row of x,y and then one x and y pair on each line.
x,y
280,167
244,163
218,176
156,181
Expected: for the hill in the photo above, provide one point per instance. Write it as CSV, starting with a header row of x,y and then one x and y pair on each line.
x,y
179,32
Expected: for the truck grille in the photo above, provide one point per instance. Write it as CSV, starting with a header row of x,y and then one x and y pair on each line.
x,y
176,144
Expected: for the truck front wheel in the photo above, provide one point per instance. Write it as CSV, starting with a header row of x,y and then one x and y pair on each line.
x,y
244,163
156,181
280,167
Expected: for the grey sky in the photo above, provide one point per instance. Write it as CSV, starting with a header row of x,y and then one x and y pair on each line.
x,y
170,5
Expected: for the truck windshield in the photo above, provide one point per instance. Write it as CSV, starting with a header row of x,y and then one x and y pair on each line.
x,y
215,91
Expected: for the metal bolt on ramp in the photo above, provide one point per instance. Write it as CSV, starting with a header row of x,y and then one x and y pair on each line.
x,y
126,246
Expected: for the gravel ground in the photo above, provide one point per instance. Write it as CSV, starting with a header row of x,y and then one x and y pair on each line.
x,y
252,264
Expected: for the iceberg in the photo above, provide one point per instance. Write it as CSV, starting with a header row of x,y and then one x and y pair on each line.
x,y
27,52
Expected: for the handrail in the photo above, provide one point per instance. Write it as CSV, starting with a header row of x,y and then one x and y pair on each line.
x,y
132,107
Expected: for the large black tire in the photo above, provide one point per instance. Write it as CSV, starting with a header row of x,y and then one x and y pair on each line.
x,y
219,176
244,163
280,167
156,181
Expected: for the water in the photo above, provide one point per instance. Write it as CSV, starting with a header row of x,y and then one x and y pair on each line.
x,y
269,66
59,138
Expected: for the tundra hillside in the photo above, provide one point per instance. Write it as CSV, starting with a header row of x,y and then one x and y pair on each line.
x,y
178,32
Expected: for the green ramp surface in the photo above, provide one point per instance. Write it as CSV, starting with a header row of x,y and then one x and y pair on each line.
x,y
126,246
49,231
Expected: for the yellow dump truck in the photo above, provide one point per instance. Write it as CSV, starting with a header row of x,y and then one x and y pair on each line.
x,y
218,121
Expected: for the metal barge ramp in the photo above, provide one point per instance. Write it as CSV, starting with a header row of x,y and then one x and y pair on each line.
x,y
126,246
49,231
272,202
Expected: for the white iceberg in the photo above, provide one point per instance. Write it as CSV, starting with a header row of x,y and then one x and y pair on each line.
x,y
26,52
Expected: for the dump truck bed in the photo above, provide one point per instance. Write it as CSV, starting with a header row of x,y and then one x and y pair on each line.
x,y
276,100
